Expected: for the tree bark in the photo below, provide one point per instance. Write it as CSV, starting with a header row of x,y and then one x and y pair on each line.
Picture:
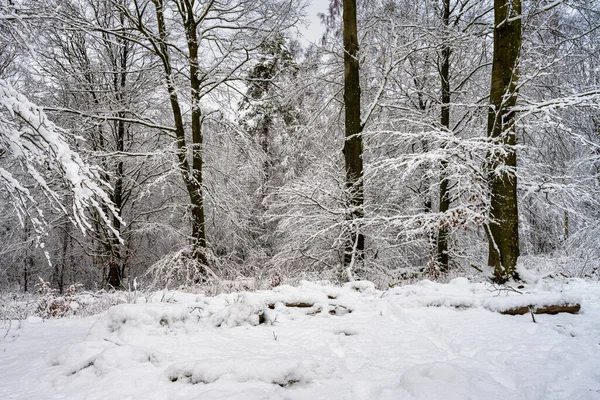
x,y
353,145
442,238
198,231
58,276
28,261
191,173
116,267
503,232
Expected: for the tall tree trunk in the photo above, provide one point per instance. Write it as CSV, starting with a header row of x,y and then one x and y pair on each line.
x,y
425,181
191,174
58,276
28,261
198,231
442,239
116,267
503,232
265,145
353,145
103,238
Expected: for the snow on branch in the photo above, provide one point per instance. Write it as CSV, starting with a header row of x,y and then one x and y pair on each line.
x,y
28,137
590,97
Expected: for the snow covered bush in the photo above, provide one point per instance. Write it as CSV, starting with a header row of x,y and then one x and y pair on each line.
x,y
74,302
15,306
178,270
52,305
155,319
246,309
284,373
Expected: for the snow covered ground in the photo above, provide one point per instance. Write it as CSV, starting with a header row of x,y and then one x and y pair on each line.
x,y
423,341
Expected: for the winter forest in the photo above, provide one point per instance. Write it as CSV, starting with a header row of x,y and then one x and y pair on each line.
x,y
192,163
186,141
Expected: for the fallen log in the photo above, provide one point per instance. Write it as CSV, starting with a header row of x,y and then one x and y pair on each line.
x,y
291,304
551,309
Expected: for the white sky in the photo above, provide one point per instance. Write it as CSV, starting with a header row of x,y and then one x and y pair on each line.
x,y
314,31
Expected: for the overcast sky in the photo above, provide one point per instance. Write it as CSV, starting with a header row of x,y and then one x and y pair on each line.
x,y
314,31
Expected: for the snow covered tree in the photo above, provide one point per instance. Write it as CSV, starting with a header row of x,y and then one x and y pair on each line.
x,y
503,231
100,87
353,145
558,101
232,152
33,145
264,101
218,40
267,113
444,198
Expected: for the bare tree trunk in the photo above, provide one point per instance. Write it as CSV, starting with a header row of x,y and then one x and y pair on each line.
x,y
116,267
442,239
425,181
191,173
353,145
198,231
58,276
503,232
28,261
265,145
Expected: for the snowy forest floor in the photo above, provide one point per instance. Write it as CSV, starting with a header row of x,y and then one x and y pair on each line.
x,y
422,341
